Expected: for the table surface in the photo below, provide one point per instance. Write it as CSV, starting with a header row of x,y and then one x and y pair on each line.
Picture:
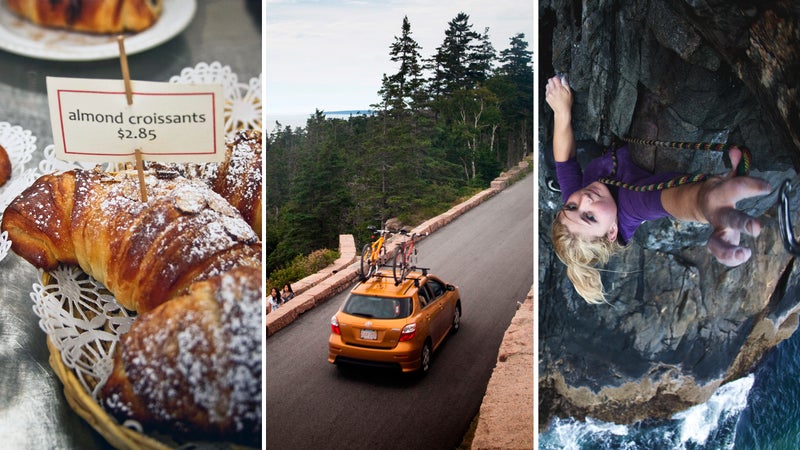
x,y
33,410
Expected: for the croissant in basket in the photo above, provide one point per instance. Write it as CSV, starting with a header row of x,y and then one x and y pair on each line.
x,y
144,253
5,166
189,264
96,16
238,179
193,365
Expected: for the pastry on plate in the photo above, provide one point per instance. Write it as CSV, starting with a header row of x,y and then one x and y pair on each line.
x,y
90,16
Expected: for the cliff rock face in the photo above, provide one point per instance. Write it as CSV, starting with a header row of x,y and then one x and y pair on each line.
x,y
679,324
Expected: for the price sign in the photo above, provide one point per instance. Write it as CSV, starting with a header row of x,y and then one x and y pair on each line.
x,y
168,122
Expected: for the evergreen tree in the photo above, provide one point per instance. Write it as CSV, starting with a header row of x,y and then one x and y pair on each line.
x,y
516,62
454,58
401,90
516,99
319,199
481,57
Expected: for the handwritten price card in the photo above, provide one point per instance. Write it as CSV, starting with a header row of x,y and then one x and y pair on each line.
x,y
168,122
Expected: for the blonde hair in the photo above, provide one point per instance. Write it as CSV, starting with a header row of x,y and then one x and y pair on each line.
x,y
581,256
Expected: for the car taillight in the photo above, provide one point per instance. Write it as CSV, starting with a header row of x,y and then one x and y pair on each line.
x,y
335,326
408,332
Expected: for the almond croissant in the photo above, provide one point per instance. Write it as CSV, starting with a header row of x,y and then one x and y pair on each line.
x,y
144,253
238,179
193,365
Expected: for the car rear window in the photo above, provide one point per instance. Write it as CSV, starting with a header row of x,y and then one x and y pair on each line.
x,y
378,307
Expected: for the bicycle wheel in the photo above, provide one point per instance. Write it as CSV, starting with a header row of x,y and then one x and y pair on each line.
x,y
366,268
382,259
400,264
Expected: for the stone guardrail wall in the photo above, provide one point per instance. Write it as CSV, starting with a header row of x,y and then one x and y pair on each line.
x,y
505,420
319,287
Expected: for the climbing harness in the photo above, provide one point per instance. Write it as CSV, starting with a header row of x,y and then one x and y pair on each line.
x,y
742,169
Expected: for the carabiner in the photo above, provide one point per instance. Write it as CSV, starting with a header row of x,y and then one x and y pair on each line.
x,y
785,220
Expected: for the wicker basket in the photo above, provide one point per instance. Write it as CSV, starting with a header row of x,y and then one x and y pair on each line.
x,y
85,406
77,391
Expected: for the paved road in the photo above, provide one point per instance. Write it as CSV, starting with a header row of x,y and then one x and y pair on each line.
x,y
488,253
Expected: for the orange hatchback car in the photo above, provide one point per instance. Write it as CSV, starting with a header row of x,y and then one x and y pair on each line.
x,y
394,325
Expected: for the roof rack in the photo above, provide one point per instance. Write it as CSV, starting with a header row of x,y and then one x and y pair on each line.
x,y
424,271
416,278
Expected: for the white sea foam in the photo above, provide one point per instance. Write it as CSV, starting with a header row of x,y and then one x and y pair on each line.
x,y
699,421
687,429
570,434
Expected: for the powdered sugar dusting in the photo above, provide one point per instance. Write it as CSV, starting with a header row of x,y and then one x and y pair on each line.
x,y
238,179
242,324
205,361
245,157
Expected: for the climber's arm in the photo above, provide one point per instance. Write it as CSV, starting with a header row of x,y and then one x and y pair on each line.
x,y
683,202
559,96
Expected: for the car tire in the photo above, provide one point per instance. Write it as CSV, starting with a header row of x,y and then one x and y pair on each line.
x,y
456,325
425,359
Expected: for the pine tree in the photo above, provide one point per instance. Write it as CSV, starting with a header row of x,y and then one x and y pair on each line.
x,y
481,57
452,61
401,90
516,62
516,72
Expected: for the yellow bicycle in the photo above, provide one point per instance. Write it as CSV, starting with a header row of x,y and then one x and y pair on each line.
x,y
373,255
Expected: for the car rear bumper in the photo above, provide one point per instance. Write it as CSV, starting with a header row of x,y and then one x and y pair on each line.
x,y
405,356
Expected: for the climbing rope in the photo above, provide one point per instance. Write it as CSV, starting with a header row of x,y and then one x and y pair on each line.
x,y
742,169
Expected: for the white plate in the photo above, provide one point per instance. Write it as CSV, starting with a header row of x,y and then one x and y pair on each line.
x,y
22,37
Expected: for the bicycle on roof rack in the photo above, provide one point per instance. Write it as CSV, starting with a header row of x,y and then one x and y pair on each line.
x,y
405,258
373,255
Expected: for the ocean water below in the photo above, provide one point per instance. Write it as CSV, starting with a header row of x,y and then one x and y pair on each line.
x,y
758,412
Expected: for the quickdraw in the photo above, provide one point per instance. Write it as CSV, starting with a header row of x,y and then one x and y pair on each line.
x,y
742,169
785,220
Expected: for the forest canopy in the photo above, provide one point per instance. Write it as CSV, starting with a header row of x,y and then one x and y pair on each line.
x,y
445,126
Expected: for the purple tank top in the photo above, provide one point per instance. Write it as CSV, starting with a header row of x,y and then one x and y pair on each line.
x,y
633,208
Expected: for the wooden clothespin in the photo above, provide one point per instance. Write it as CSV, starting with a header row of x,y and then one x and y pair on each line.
x,y
126,76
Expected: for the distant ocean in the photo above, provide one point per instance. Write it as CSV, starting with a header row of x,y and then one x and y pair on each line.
x,y
299,120
760,411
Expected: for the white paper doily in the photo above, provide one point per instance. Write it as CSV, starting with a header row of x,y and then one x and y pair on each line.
x,y
242,100
20,145
83,321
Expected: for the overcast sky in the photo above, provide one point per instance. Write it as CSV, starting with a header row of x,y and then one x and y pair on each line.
x,y
331,54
